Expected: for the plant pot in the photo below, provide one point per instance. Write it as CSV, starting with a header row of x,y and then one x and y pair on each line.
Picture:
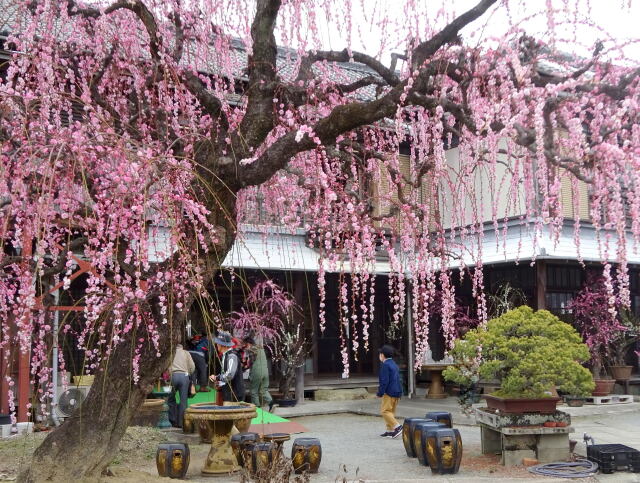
x,y
286,403
574,401
148,414
603,387
546,405
620,373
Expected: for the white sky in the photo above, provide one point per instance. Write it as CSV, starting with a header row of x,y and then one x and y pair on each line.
x,y
617,21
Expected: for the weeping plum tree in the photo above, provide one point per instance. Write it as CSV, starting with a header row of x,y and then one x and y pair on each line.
x,y
139,133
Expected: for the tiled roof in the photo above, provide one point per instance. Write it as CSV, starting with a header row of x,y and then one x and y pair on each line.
x,y
212,61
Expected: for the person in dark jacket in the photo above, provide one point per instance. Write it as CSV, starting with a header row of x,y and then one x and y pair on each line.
x,y
390,390
199,377
229,382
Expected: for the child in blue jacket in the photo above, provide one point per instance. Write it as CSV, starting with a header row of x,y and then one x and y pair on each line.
x,y
389,390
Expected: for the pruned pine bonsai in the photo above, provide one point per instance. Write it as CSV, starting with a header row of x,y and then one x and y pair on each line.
x,y
529,352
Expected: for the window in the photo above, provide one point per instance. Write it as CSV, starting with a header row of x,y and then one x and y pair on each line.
x,y
557,302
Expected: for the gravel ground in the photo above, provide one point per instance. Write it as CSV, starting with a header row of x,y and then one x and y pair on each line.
x,y
352,452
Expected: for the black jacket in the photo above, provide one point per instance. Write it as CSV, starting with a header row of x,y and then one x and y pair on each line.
x,y
231,375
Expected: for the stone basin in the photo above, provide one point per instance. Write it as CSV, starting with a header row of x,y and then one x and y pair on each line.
x,y
219,421
203,427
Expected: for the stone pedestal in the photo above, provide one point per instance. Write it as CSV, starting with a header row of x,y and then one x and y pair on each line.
x,y
436,388
544,444
219,422
519,436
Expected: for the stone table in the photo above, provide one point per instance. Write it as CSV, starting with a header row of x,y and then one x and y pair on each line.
x,y
436,388
220,421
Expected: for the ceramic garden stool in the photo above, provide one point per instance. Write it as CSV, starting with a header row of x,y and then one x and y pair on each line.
x,y
443,449
440,417
408,426
262,457
172,459
220,421
419,430
277,438
306,454
242,445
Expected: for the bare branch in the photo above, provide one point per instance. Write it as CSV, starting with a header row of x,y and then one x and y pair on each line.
x,y
346,117
136,6
178,49
448,34
209,102
305,72
360,83
258,120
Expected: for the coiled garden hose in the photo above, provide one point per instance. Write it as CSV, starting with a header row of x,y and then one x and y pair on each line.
x,y
577,469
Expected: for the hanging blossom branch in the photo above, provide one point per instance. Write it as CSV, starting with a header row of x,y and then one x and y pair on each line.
x,y
149,127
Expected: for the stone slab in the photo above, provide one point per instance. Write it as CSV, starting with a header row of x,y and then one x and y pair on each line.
x,y
553,454
553,441
490,441
499,420
536,430
5,430
342,394
515,458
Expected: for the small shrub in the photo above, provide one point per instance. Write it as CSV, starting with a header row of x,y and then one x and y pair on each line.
x,y
529,352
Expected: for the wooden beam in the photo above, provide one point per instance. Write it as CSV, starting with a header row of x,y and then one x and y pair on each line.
x,y
411,348
302,301
24,354
4,386
541,284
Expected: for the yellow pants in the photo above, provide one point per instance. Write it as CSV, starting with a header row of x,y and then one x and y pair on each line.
x,y
388,411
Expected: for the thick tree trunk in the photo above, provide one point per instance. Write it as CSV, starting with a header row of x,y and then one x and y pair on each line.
x,y
83,447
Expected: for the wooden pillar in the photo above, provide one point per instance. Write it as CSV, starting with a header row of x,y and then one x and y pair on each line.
x,y
302,301
300,384
23,385
24,355
411,349
4,387
541,284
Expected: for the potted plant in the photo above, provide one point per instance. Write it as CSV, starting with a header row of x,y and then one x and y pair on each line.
x,y
574,401
273,316
622,343
595,318
530,353
290,353
465,373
